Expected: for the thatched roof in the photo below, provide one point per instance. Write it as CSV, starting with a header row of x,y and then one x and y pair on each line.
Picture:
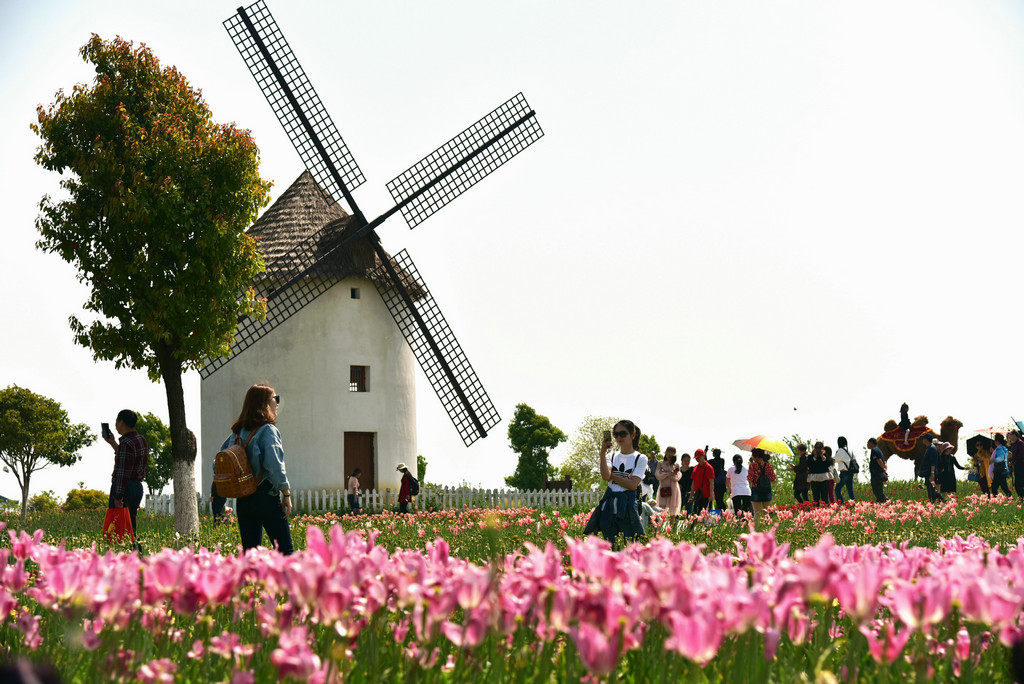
x,y
297,229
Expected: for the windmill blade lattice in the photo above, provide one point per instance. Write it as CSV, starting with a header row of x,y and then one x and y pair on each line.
x,y
465,160
298,107
472,421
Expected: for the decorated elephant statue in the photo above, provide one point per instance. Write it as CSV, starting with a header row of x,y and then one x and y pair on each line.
x,y
895,441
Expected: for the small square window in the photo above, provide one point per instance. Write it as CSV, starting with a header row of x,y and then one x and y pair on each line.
x,y
355,293
359,379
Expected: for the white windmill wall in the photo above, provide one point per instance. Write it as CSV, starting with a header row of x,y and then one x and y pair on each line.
x,y
307,360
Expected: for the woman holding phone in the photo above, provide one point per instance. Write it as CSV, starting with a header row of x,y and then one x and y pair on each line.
x,y
668,475
618,511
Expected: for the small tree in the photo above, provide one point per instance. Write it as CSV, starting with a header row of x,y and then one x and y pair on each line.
x,y
43,502
649,443
532,436
584,451
158,199
161,455
86,500
421,468
35,433
784,476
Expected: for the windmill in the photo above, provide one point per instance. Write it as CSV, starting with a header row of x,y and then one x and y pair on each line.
x,y
311,268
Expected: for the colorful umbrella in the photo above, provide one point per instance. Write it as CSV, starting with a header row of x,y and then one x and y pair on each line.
x,y
775,446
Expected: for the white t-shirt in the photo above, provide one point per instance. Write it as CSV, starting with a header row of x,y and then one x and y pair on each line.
x,y
842,458
738,484
630,464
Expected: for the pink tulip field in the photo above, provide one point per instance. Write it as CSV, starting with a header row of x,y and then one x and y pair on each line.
x,y
517,596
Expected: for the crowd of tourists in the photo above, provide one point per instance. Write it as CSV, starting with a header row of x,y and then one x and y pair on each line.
x,y
642,485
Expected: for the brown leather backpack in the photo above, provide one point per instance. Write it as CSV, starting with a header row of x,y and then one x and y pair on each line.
x,y
232,474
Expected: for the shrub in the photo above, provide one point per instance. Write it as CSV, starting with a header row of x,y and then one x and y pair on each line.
x,y
86,500
43,502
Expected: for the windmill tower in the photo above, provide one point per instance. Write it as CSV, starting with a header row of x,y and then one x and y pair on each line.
x,y
323,332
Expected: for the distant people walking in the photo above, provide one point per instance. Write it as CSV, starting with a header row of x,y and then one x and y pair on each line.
x,y
817,473
352,491
930,467
703,481
718,463
982,463
270,505
947,469
844,463
1016,447
131,454
1000,465
668,474
739,486
878,470
800,484
761,475
405,490
686,483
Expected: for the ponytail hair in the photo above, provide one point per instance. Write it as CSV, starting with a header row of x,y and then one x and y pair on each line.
x,y
738,460
633,430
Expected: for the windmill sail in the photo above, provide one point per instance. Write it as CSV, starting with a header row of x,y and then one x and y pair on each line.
x,y
438,353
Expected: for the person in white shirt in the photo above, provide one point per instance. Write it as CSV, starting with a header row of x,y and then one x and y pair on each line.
x,y
739,487
843,459
618,511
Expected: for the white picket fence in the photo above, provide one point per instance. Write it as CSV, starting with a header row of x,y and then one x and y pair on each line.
x,y
437,498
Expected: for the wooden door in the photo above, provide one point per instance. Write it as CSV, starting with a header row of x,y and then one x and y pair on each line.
x,y
359,454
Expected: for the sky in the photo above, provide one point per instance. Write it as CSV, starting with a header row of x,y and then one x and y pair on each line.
x,y
745,217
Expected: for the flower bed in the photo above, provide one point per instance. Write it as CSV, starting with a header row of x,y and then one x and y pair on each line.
x,y
345,608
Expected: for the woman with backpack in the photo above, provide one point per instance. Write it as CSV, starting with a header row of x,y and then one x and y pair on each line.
x,y
270,505
999,466
847,466
760,477
617,513
405,493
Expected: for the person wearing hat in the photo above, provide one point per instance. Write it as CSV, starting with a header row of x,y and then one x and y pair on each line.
x,y
930,467
404,493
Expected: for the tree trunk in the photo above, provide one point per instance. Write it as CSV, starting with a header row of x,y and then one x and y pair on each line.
x,y
186,510
24,500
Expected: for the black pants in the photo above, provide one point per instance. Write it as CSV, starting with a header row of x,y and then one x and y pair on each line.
x,y
403,506
999,482
132,500
933,494
741,503
1018,479
260,511
800,495
820,491
700,502
720,496
878,489
217,504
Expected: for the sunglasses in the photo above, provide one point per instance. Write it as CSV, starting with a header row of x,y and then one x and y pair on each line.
x,y
277,398
620,433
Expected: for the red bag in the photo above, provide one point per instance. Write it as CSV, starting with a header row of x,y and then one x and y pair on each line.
x,y
117,524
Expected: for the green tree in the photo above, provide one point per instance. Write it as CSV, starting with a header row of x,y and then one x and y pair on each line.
x,y
582,462
86,500
649,443
421,468
158,196
782,462
35,433
161,457
532,436
43,502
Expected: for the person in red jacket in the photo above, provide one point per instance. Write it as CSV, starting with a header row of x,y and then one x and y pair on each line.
x,y
703,480
404,494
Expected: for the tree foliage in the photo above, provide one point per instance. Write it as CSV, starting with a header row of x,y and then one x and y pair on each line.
x,y
158,196
43,502
86,500
161,458
421,468
582,462
649,443
532,436
36,433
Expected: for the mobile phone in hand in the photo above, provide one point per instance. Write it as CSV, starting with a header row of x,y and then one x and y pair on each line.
x,y
105,429
607,436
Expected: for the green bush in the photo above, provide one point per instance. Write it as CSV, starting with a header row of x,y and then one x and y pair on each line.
x,y
43,502
86,500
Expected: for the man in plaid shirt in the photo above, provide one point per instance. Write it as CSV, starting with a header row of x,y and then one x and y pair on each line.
x,y
130,458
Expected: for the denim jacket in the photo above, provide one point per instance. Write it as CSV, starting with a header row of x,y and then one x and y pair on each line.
x,y
266,456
